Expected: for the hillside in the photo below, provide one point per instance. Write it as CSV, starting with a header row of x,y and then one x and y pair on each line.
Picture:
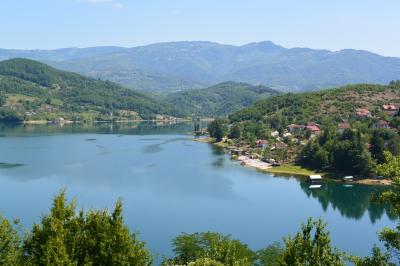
x,y
333,104
339,132
30,90
219,100
175,66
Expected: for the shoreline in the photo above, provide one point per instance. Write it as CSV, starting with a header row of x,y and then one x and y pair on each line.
x,y
44,122
291,169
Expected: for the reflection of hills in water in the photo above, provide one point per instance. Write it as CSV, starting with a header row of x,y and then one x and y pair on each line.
x,y
142,128
351,201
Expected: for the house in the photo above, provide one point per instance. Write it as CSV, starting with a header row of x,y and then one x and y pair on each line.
x,y
314,128
342,127
295,129
262,143
390,109
382,124
360,112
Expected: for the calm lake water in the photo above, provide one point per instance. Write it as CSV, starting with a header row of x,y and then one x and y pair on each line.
x,y
170,184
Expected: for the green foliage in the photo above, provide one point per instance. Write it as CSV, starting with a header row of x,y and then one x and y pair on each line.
x,y
336,104
10,243
391,169
311,246
219,100
218,128
272,255
346,153
376,259
210,246
205,262
92,238
70,94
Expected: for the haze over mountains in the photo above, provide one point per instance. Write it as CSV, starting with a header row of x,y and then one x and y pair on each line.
x,y
174,66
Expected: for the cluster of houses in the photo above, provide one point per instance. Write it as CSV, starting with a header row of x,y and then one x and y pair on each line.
x,y
299,129
390,109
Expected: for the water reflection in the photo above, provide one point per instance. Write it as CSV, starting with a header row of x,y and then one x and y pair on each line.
x,y
351,201
140,128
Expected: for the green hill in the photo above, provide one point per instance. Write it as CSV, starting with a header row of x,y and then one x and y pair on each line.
x,y
30,90
333,104
219,100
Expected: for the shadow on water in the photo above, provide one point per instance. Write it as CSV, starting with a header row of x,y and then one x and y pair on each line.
x,y
351,201
157,147
10,165
140,128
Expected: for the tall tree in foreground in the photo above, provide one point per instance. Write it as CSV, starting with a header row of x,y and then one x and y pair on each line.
x,y
10,244
210,248
311,246
88,238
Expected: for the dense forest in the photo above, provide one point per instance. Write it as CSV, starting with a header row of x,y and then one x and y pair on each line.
x,y
31,90
219,100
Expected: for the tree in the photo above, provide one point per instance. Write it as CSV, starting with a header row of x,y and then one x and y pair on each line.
x,y
235,132
377,147
377,259
218,129
213,246
10,243
92,238
205,262
311,246
272,255
391,169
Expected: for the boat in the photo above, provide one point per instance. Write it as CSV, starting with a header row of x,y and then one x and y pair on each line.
x,y
314,178
348,178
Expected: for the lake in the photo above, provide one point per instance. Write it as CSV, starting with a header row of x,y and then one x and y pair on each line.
x,y
171,184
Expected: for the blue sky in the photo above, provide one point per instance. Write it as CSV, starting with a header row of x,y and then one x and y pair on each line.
x,y
372,25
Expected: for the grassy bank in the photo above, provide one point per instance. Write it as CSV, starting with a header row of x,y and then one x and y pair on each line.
x,y
291,169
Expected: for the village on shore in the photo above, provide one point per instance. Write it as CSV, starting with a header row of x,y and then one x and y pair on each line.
x,y
278,154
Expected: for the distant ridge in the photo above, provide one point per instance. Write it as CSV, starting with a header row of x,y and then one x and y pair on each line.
x,y
174,66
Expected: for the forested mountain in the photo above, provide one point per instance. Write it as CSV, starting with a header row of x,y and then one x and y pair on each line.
x,y
333,104
180,65
219,100
30,90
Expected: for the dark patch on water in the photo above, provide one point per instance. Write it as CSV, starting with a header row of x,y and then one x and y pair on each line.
x,y
10,165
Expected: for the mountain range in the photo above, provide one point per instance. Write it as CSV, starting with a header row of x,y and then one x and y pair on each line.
x,y
175,66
